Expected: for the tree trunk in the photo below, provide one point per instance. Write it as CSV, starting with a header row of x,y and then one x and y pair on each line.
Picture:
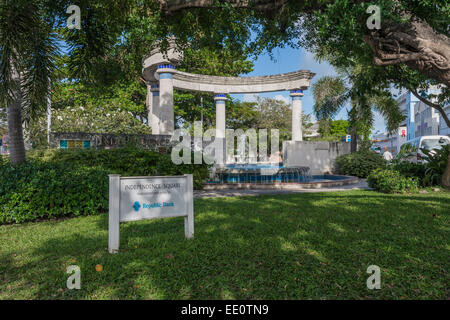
x,y
414,43
446,175
354,141
15,132
353,119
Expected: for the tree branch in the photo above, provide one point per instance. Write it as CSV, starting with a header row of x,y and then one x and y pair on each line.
x,y
390,59
433,105
171,6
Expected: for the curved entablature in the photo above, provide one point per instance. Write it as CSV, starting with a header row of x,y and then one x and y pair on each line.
x,y
217,84
162,63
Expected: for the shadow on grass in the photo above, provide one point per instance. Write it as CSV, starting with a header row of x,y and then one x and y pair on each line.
x,y
271,247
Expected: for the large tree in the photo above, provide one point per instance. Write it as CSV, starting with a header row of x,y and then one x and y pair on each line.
x,y
100,57
410,49
29,34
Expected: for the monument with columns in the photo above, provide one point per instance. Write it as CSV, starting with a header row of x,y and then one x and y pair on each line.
x,y
159,70
162,77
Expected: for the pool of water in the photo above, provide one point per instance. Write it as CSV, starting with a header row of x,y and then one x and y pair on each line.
x,y
262,174
279,178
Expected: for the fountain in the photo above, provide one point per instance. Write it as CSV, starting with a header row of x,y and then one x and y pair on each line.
x,y
267,175
262,174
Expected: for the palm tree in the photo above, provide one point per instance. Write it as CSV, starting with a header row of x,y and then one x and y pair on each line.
x,y
27,53
331,94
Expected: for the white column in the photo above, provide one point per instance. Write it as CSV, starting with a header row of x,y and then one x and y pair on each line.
x,y
149,106
297,134
220,128
220,115
166,120
155,109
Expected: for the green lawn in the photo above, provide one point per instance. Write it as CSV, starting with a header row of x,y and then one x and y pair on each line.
x,y
300,246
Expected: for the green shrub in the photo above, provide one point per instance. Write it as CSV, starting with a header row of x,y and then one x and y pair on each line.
x,y
407,152
435,166
391,181
129,161
360,163
43,190
411,170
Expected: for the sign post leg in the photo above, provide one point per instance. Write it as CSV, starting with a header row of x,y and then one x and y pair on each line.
x,y
114,217
189,198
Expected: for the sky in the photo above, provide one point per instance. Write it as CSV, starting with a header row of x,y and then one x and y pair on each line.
x,y
288,60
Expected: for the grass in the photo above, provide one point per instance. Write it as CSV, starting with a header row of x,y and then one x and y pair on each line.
x,y
299,246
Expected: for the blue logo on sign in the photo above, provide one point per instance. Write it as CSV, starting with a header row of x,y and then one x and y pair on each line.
x,y
136,206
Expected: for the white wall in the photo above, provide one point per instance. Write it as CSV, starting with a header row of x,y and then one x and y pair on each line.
x,y
319,156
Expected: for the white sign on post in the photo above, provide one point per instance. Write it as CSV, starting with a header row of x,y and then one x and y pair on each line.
x,y
139,198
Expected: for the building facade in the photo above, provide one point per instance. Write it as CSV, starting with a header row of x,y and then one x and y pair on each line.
x,y
426,120
443,128
392,141
407,103
421,119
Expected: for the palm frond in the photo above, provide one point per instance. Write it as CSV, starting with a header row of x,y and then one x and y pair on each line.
x,y
14,29
330,95
38,72
389,109
27,47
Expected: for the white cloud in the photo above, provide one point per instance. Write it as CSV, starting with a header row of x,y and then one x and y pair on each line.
x,y
379,123
280,97
309,62
250,97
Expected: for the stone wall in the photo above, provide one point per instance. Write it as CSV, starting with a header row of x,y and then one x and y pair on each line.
x,y
320,156
160,143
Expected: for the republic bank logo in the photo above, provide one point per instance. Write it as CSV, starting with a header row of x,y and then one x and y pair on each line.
x,y
136,206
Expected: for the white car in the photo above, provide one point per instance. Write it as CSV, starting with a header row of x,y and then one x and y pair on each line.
x,y
410,150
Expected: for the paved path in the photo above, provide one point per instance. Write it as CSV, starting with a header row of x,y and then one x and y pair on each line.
x,y
362,185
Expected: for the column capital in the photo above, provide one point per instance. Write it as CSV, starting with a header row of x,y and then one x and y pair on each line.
x,y
220,97
165,68
296,93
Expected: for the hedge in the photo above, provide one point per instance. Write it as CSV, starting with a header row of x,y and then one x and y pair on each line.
x,y
360,163
56,183
44,190
127,161
411,170
392,181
